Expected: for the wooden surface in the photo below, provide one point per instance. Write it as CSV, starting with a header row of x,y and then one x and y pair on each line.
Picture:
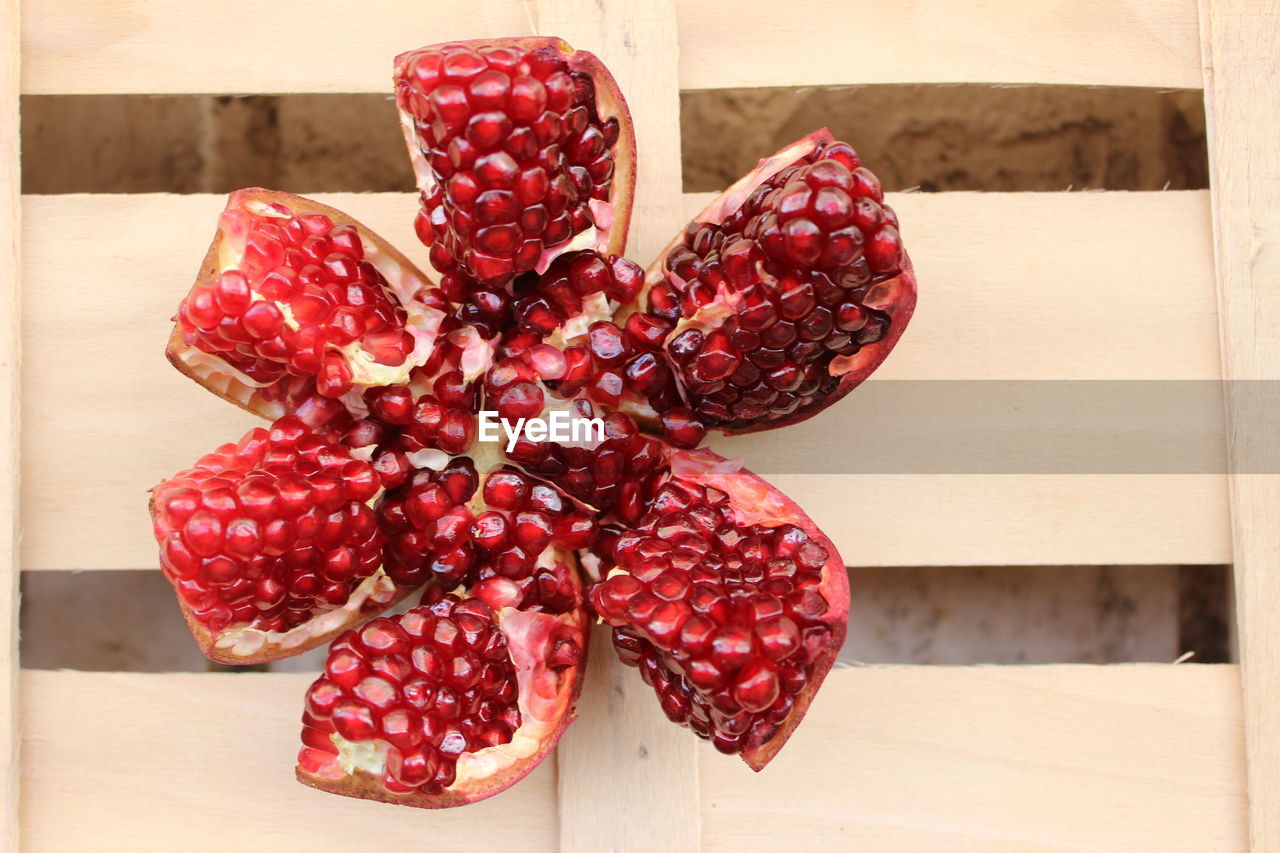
x,y
10,420
628,778
152,46
137,420
997,760
1242,102
1141,757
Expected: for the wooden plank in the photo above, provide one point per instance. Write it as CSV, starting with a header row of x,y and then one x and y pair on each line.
x,y
105,273
150,46
10,417
622,734
997,760
729,43
204,762
1126,757
1242,103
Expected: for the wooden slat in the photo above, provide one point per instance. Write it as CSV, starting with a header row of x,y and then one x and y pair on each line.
x,y
1013,286
10,418
1242,65
815,42
997,760
622,733
204,762
1132,757
243,46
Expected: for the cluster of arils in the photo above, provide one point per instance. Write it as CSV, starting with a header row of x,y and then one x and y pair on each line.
x,y
372,482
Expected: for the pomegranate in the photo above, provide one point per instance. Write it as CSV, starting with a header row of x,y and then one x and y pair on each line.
x,y
729,600
523,149
270,544
450,703
376,479
297,304
785,293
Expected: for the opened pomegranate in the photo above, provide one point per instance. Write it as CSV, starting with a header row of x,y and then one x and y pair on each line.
x,y
786,292
449,703
522,149
271,545
297,304
377,477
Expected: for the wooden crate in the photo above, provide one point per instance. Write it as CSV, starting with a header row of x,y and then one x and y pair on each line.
x,y
1132,757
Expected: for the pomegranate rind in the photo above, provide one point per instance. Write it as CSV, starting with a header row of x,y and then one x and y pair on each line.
x,y
757,502
267,401
896,296
547,702
612,238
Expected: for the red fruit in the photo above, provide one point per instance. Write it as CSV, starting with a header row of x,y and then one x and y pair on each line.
x,y
729,600
482,694
270,544
520,147
297,302
786,292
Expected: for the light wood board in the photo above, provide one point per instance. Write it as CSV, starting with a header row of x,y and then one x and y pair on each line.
x,y
628,779
1133,757
251,46
10,418
1242,102
1054,288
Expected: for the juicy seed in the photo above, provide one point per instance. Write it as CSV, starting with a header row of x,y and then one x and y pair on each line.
x,y
432,684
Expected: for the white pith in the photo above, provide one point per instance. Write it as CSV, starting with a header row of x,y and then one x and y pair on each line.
x,y
244,640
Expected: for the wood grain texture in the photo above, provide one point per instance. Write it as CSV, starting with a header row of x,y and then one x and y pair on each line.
x,y
1133,757
10,418
137,420
624,758
105,273
997,760
1242,102
204,762
145,46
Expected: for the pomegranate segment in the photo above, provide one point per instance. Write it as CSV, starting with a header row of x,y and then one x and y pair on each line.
x,y
297,302
271,545
447,704
522,149
786,292
729,601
